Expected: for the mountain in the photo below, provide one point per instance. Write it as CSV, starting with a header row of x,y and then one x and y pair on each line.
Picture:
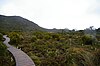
x,y
17,23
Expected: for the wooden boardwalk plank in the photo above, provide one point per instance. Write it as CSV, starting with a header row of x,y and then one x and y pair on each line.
x,y
21,58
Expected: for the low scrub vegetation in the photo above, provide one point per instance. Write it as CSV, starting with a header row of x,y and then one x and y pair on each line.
x,y
58,49
6,58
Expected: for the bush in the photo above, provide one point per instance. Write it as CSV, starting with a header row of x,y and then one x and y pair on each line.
x,y
88,40
1,37
15,38
2,49
5,56
34,38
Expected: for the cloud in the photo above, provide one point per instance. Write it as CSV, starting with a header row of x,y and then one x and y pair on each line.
x,y
3,2
70,14
95,8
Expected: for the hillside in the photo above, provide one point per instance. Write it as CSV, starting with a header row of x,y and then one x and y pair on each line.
x,y
17,23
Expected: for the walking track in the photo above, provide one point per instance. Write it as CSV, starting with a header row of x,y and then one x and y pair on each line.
x,y
21,58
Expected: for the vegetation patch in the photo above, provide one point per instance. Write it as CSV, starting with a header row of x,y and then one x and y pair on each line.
x,y
58,49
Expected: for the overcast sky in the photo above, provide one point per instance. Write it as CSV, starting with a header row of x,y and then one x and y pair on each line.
x,y
72,14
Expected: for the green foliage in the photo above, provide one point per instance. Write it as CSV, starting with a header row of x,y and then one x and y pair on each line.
x,y
79,57
2,49
34,38
88,39
15,38
58,49
97,58
5,56
98,37
1,37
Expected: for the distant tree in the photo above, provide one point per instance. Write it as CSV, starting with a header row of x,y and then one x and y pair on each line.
x,y
91,30
98,30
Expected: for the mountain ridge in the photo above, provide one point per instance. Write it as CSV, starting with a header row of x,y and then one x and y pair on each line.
x,y
17,23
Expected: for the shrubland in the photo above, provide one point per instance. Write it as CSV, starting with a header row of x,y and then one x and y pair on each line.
x,y
58,49
6,58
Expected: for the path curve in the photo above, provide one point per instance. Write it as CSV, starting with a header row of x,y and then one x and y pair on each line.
x,y
21,58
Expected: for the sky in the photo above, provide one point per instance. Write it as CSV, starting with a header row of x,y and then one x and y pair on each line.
x,y
71,14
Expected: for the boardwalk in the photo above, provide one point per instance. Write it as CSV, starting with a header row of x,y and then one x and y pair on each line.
x,y
21,58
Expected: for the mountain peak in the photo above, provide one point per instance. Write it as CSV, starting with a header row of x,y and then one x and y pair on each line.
x,y
17,23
